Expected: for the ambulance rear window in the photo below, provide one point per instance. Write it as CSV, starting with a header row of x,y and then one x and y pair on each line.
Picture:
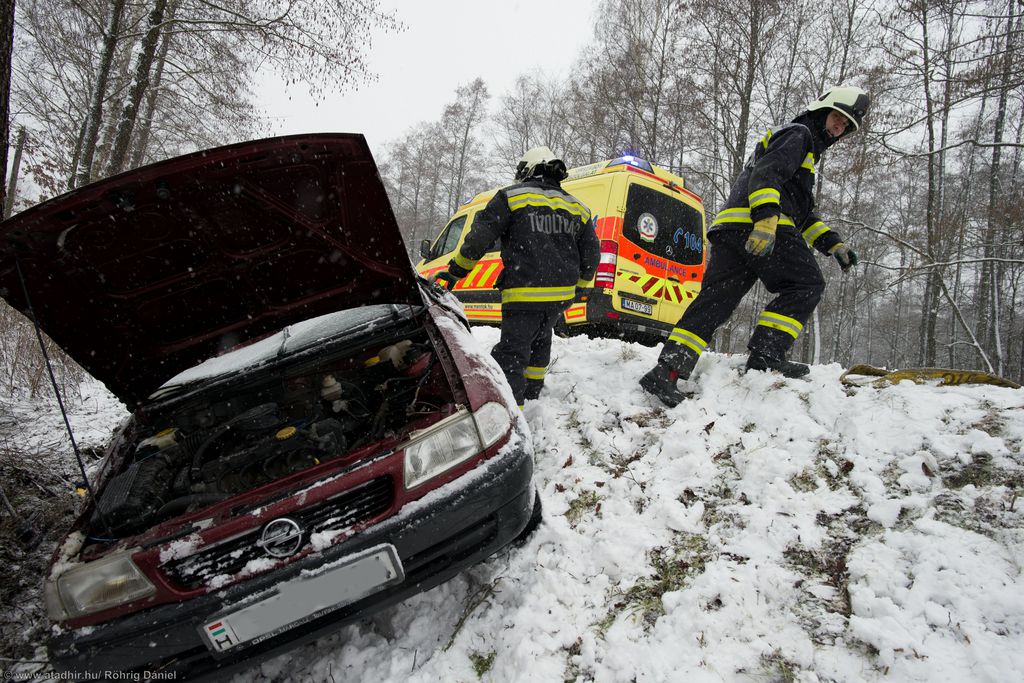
x,y
663,225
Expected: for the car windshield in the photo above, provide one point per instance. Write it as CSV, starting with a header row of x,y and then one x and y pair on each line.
x,y
288,341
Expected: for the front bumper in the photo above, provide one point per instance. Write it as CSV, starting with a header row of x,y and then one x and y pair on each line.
x,y
461,527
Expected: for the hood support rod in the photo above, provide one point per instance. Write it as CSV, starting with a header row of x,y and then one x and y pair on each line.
x,y
56,391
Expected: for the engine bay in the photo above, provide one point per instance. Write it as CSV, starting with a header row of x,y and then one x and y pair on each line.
x,y
264,425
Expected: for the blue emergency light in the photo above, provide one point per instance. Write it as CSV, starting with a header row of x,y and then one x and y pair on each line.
x,y
630,160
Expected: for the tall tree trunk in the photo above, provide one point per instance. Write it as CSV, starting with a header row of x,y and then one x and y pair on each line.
x,y
478,92
988,314
83,170
77,154
929,312
1015,165
143,65
1020,360
750,75
6,52
962,217
870,327
152,93
12,183
944,217
897,336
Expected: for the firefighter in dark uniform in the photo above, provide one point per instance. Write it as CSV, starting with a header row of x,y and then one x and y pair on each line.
x,y
763,233
549,249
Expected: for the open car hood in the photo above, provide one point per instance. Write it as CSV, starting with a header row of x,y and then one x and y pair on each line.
x,y
147,273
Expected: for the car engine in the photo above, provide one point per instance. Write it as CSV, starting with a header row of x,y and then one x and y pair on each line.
x,y
276,422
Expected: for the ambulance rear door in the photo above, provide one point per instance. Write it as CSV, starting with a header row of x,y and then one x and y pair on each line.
x,y
667,231
643,248
669,223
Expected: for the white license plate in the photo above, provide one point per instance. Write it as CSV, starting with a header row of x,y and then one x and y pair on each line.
x,y
304,598
631,305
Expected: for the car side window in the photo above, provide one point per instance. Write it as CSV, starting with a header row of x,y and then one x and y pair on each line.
x,y
449,238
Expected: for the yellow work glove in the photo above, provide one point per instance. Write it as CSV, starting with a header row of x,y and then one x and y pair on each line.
x,y
762,237
846,257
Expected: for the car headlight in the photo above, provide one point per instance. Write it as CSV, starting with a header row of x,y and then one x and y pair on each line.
x,y
96,586
452,441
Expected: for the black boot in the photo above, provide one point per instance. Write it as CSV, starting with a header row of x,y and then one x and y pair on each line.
x,y
661,381
758,361
680,358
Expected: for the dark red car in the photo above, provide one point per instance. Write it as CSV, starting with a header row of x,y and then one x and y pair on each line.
x,y
315,434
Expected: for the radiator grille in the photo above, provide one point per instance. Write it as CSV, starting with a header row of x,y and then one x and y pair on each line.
x,y
229,558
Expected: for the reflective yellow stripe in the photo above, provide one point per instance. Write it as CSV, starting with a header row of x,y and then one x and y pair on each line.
x,y
766,138
537,294
582,283
521,201
739,215
463,262
687,338
766,195
742,215
809,163
814,232
534,372
556,195
780,322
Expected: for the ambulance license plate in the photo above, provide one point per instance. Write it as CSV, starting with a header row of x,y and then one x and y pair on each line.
x,y
630,305
305,598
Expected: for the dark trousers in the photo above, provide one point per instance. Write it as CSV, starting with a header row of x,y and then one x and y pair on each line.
x,y
525,342
790,272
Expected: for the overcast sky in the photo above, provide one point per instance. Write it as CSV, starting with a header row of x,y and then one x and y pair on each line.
x,y
446,43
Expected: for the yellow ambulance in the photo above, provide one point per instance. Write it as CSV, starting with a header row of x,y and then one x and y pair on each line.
x,y
653,238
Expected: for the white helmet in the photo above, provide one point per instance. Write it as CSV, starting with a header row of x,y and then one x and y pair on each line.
x,y
850,101
540,160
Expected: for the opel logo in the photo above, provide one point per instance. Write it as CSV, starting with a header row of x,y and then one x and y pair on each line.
x,y
281,538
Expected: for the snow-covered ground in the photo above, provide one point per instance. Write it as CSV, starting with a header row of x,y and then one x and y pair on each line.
x,y
767,529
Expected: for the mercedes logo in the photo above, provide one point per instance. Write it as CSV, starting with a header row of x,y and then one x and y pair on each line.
x,y
281,538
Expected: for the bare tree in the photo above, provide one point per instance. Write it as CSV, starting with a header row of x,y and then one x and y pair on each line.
x,y
520,120
435,166
107,83
413,176
94,118
461,121
140,83
990,276
638,41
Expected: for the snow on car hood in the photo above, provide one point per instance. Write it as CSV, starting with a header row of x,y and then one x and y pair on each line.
x,y
290,340
147,273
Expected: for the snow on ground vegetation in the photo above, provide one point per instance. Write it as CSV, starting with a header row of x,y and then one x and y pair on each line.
x,y
39,476
766,529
